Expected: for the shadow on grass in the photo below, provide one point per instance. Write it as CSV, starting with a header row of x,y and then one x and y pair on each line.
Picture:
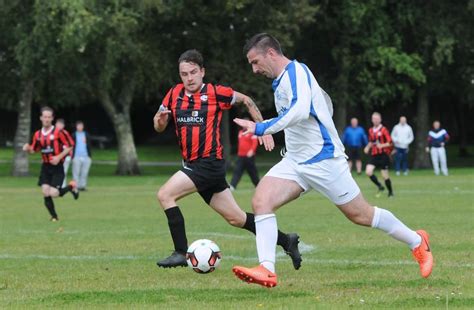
x,y
171,295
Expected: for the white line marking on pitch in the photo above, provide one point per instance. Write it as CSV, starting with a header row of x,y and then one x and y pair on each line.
x,y
342,262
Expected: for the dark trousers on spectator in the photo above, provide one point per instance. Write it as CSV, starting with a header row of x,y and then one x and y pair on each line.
x,y
401,160
245,163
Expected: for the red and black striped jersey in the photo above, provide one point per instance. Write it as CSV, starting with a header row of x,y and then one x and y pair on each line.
x,y
380,135
197,119
71,141
51,142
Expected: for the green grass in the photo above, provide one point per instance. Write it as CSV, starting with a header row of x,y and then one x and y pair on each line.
x,y
102,253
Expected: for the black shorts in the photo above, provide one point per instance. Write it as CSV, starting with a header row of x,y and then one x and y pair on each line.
x,y
208,175
353,153
51,175
381,161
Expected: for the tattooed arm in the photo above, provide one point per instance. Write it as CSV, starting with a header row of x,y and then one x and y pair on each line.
x,y
266,140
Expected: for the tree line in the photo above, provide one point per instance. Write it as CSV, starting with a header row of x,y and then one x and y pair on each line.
x,y
123,53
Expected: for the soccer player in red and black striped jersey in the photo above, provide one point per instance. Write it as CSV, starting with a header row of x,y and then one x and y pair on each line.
x,y
196,109
54,144
380,146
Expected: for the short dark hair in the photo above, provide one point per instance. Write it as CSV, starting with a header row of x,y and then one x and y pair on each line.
x,y
262,41
60,120
78,122
193,56
46,108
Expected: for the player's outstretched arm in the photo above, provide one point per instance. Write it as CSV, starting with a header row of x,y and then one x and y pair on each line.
x,y
161,119
250,104
266,140
56,159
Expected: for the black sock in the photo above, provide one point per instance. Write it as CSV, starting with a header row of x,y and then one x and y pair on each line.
x,y
250,223
388,183
49,203
374,179
177,229
250,226
64,190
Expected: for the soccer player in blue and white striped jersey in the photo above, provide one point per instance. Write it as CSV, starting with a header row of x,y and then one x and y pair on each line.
x,y
314,159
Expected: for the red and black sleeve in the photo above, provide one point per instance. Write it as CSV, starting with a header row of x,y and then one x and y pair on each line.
x,y
69,138
224,96
65,139
168,99
35,143
387,137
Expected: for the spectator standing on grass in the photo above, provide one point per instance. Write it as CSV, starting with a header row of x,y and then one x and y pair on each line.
x,y
402,137
246,151
437,139
354,138
81,161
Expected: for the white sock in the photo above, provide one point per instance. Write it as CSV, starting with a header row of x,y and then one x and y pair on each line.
x,y
386,221
266,235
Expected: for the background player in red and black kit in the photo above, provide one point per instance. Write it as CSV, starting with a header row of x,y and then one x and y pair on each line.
x,y
54,144
380,147
246,151
196,110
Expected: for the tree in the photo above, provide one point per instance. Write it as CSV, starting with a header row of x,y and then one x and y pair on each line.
x,y
19,71
430,30
359,56
105,43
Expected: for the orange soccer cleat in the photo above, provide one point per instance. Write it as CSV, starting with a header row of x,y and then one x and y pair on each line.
x,y
258,275
423,255
74,190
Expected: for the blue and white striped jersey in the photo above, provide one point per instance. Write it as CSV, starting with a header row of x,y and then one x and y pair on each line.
x,y
305,115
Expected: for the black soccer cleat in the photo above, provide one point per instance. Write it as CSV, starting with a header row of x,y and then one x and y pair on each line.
x,y
74,190
75,194
176,259
293,251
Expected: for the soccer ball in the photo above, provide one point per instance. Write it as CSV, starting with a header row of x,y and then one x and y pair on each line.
x,y
203,256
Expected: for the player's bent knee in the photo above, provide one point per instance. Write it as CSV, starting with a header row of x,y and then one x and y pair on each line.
x,y
259,203
53,192
163,197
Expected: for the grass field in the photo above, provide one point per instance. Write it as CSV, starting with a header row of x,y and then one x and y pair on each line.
x,y
102,253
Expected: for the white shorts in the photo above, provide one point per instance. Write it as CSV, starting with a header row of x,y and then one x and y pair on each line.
x,y
330,177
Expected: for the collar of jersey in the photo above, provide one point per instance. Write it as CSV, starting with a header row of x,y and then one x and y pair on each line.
x,y
379,127
277,81
47,132
189,95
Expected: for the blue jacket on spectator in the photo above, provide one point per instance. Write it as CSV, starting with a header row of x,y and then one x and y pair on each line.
x,y
354,137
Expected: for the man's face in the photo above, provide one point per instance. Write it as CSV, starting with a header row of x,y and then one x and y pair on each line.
x,y
403,120
376,119
261,62
354,122
46,118
191,75
60,125
79,126
436,125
